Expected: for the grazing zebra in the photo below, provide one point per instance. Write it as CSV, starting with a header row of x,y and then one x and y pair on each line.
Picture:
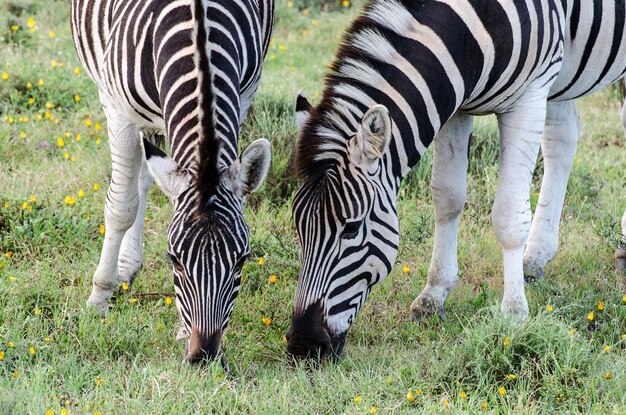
x,y
187,70
410,73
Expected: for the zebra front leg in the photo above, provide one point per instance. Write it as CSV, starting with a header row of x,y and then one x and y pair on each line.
x,y
120,210
448,187
131,252
558,145
520,134
620,253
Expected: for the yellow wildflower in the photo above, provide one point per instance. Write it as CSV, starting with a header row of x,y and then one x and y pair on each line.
x,y
601,306
66,156
32,350
15,28
47,339
97,413
389,379
133,300
102,229
60,142
30,22
591,316
22,134
357,399
16,373
262,260
273,279
52,34
608,375
125,286
607,348
266,321
29,85
77,98
78,137
346,3
511,376
11,121
77,70
98,381
506,341
31,101
305,32
88,122
6,205
49,412
40,82
502,390
98,140
168,300
406,269
38,312
410,397
289,4
1,356
97,126
63,411
549,309
81,193
54,64
463,395
284,339
373,410
96,186
624,299
446,403
11,278
160,326
10,345
282,47
483,406
314,22
5,76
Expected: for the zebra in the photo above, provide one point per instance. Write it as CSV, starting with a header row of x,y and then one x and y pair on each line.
x,y
186,70
408,74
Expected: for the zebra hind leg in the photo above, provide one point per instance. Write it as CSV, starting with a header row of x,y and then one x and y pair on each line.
x,y
131,252
121,206
448,187
558,145
620,253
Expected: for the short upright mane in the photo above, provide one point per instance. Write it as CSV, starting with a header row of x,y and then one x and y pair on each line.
x,y
208,178
321,143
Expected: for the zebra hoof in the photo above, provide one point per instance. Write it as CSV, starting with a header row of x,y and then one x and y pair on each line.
x,y
533,273
620,261
102,307
425,307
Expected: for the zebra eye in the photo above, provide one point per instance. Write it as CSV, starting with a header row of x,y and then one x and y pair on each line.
x,y
351,230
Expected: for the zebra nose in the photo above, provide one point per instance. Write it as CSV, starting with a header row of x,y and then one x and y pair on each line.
x,y
203,346
308,336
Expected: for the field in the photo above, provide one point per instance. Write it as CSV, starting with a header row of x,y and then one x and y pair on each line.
x,y
58,357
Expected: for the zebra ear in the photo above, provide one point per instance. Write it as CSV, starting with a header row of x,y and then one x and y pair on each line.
x,y
255,163
165,171
303,111
374,133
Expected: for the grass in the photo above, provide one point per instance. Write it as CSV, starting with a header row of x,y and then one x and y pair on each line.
x,y
63,356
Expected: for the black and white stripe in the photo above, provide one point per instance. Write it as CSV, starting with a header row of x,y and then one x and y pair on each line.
x,y
186,70
410,72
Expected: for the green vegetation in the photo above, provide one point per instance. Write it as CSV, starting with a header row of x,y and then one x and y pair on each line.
x,y
56,354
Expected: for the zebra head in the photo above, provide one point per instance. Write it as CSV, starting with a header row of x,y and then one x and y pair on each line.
x,y
208,242
346,220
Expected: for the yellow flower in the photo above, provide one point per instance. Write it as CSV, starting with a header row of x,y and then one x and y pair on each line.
x,y
66,156
506,341
446,403
624,299
282,47
549,309
98,140
262,260
102,229
31,101
63,411
608,375
96,186
22,134
98,381
314,22
10,345
11,121
24,118
5,76
40,82
78,137
52,34
160,326
54,64
60,142
463,395
15,28
125,286
1,356
77,70
284,339
511,376
389,379
406,269
305,32
502,391
16,373
11,278
373,410
97,413
483,406
29,85
607,348
133,300
410,397
289,4
30,22
49,412
88,122
273,279
357,399
601,306
346,3
81,193
1,264
47,339
266,321
38,312
32,350
6,205
97,126
168,300
77,98
25,205
591,316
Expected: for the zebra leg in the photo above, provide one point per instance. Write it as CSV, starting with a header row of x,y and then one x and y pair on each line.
x,y
120,210
558,146
620,253
131,252
448,187
520,135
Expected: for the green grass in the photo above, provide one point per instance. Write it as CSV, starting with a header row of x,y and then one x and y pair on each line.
x,y
557,358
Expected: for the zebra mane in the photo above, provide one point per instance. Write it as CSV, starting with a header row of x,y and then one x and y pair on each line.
x,y
208,176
